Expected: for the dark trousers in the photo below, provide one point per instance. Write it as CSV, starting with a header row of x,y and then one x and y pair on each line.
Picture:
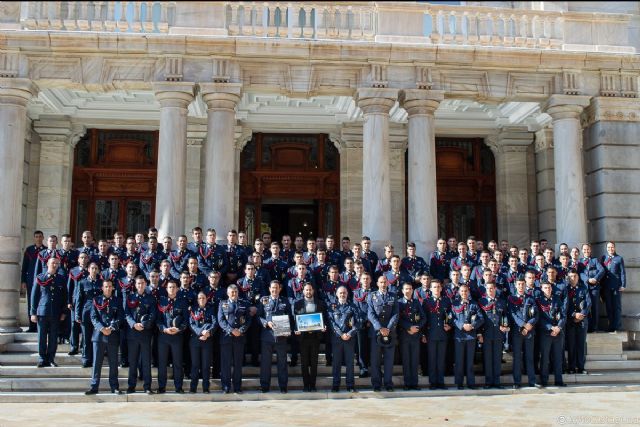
x,y
551,347
492,357
410,351
154,347
268,347
465,351
87,332
424,358
523,350
74,336
363,349
124,346
253,342
328,352
576,344
171,343
451,355
48,338
594,315
140,358
112,357
215,360
201,353
32,326
437,351
309,349
343,352
379,352
613,306
294,341
186,351
231,355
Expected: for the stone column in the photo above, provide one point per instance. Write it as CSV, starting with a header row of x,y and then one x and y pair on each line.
x,y
174,99
219,209
545,184
510,148
58,139
423,199
375,103
571,219
14,96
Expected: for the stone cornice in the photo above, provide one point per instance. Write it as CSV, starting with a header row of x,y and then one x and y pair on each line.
x,y
612,110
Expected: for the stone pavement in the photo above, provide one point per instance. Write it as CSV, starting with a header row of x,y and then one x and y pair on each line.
x,y
546,409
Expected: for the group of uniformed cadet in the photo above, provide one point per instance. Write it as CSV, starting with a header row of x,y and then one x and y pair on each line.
x,y
201,306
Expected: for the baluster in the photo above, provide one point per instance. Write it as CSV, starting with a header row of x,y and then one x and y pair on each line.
x,y
435,36
484,29
307,24
557,35
241,18
508,30
472,28
323,16
521,30
147,23
337,22
70,18
447,34
496,33
82,18
460,28
231,17
292,20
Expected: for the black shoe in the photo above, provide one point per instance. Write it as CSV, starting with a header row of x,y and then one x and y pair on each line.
x,y
415,388
148,392
516,386
406,388
206,391
471,387
313,389
389,388
351,390
283,390
91,391
498,387
180,391
192,391
571,371
32,330
53,364
486,387
364,373
442,387
239,391
131,390
116,391
226,391
335,389
41,365
532,385
162,390
124,365
561,384
87,365
376,389
294,362
306,389
543,385
582,372
73,352
460,387
433,387
264,390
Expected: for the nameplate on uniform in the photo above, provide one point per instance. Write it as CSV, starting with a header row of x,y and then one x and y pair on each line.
x,y
309,322
281,326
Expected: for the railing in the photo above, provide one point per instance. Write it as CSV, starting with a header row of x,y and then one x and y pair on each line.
x,y
495,27
119,16
301,20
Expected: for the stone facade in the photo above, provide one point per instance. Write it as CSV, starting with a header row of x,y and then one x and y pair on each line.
x,y
552,88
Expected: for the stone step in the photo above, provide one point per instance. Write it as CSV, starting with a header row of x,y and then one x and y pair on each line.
x,y
612,365
323,382
249,395
632,354
606,357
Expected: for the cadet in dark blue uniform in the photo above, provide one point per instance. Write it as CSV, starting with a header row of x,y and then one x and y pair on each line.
x,y
236,257
85,291
551,323
251,288
140,314
410,324
179,257
344,320
383,314
363,348
75,275
212,256
524,316
467,321
202,322
591,273
172,320
495,324
368,254
614,282
48,309
215,293
578,306
29,261
270,306
151,258
309,340
106,316
413,266
234,318
438,263
275,265
438,315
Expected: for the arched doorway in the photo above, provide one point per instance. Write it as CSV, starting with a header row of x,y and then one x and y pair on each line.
x,y
289,184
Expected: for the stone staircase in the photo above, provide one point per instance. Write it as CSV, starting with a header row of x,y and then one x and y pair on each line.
x,y
609,366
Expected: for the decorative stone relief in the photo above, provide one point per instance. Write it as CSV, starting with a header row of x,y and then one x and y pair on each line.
x,y
221,71
116,70
9,64
612,110
173,69
528,84
571,82
378,76
424,79
56,68
466,83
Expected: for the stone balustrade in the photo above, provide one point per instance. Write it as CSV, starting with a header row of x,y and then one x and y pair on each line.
x,y
119,16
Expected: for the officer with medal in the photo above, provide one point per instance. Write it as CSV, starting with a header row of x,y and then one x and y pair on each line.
x,y
410,324
496,323
344,320
48,309
524,316
551,323
203,320
438,314
467,320
234,318
106,316
172,320
578,307
140,315
270,306
382,312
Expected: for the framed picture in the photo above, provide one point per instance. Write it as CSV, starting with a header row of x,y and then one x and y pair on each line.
x,y
309,322
281,326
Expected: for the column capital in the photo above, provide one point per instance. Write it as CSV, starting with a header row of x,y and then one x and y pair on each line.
x,y
221,96
565,106
16,91
373,100
420,101
174,94
62,131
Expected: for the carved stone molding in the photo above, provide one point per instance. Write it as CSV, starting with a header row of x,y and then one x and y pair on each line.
x,y
612,110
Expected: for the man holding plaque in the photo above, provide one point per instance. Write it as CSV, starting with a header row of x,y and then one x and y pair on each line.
x,y
383,314
344,320
276,329
309,340
579,305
